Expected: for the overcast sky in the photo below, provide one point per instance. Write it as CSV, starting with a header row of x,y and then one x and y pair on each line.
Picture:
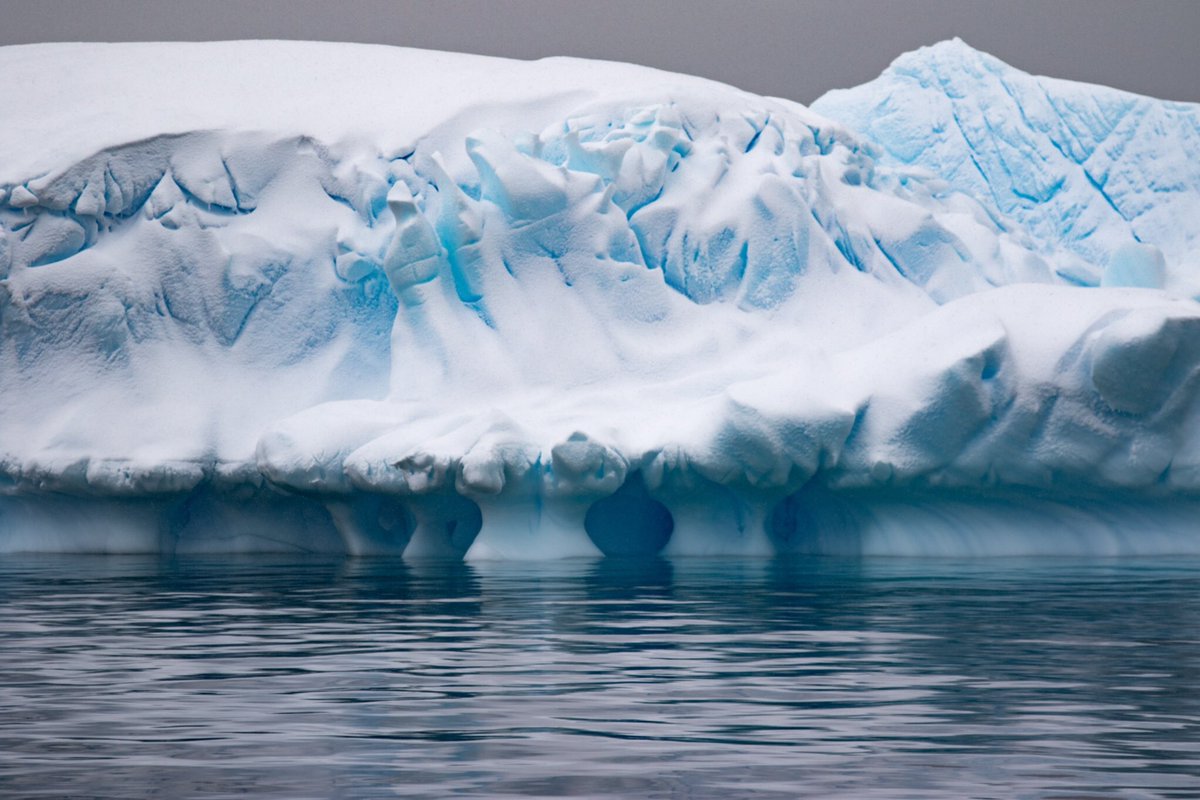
x,y
794,49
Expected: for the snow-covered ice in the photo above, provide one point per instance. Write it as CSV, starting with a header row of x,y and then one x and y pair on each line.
x,y
277,295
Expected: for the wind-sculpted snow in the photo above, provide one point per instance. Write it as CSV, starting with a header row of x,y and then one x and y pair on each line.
x,y
565,308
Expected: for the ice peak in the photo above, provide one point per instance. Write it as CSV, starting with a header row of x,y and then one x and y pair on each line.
x,y
1085,167
948,52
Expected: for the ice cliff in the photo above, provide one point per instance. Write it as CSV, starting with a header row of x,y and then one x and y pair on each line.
x,y
268,295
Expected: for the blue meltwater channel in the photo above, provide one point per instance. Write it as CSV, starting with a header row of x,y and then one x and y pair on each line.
x,y
125,677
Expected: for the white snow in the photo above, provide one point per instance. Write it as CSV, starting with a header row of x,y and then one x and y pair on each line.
x,y
263,295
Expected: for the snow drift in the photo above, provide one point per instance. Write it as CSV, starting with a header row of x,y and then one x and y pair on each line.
x,y
268,295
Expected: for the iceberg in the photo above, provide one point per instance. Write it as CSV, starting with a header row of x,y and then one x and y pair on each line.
x,y
265,296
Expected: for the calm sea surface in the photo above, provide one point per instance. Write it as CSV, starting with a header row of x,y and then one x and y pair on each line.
x,y
131,677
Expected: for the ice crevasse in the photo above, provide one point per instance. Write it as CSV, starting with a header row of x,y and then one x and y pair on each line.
x,y
277,295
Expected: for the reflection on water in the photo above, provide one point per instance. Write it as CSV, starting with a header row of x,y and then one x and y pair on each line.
x,y
127,677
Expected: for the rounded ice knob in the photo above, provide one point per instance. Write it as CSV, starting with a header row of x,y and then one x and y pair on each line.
x,y
1136,265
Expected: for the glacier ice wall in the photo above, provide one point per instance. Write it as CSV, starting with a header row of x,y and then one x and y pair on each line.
x,y
564,308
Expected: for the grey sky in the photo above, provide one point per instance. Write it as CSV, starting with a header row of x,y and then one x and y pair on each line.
x,y
792,49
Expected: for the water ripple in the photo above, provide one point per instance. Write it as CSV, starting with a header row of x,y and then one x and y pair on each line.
x,y
127,677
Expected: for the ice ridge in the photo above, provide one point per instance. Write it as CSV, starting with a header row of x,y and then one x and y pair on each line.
x,y
1087,167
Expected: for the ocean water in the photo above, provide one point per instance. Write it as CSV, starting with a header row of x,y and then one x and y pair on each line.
x,y
292,678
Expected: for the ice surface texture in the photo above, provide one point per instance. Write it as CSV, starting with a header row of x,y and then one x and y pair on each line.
x,y
268,295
